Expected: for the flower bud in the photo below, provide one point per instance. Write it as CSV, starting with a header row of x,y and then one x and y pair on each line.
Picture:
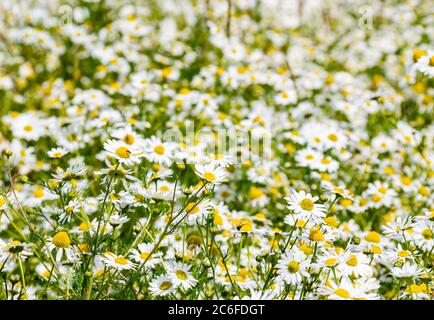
x,y
7,153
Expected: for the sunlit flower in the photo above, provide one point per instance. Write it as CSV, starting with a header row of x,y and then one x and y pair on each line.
x,y
118,262
123,152
305,205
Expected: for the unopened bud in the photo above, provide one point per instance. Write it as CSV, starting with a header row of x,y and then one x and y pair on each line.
x,y
181,166
356,240
14,279
8,153
206,263
23,179
187,191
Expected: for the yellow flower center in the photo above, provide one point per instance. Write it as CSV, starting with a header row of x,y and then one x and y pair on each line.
x,y
306,204
342,293
306,249
209,176
38,193
184,91
332,137
329,79
427,234
373,237
403,253
424,191
363,202
331,222
115,197
406,180
245,225
301,223
389,171
225,194
129,138
316,235
413,288
144,255
255,193
218,220
180,274
431,61
325,161
84,247
85,226
192,208
121,261
61,240
352,261
123,152
382,189
164,188
376,249
159,149
166,72
165,285
418,53
293,266
330,262
28,128
346,202
376,198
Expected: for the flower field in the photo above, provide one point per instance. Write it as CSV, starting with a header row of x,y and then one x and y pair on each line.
x,y
216,149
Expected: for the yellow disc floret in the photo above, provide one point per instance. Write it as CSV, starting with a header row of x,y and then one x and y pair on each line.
x,y
61,240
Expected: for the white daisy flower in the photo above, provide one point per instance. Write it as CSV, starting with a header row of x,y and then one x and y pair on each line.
x,y
157,151
141,255
211,173
162,286
303,204
57,153
292,267
118,262
123,152
61,243
181,276
425,64
337,291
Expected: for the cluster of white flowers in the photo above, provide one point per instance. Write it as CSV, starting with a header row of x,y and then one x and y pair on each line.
x,y
120,177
